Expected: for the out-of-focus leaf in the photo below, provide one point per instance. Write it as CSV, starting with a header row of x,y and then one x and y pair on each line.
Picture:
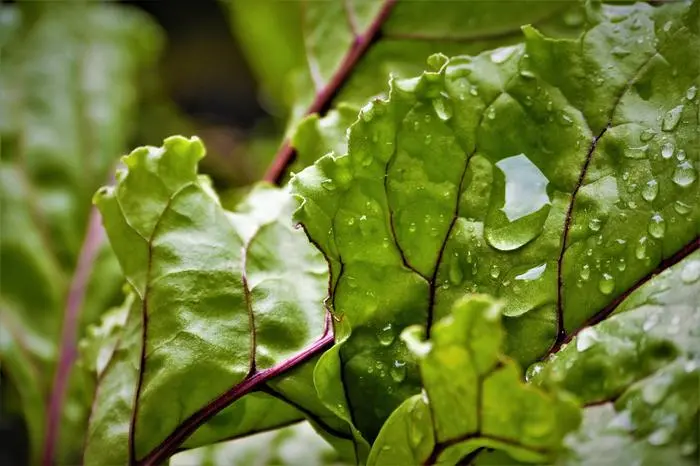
x,y
68,83
555,187
473,397
223,300
643,364
291,446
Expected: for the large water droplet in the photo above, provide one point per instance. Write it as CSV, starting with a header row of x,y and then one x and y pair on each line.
x,y
691,271
667,150
398,371
650,190
691,93
442,107
525,204
533,371
586,339
606,285
657,226
684,174
532,274
671,118
386,335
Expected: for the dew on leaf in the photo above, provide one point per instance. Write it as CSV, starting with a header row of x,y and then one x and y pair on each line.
x,y
386,335
691,93
525,194
680,155
691,271
640,252
495,271
657,226
647,135
398,371
442,107
585,272
586,339
533,273
671,118
681,207
621,264
650,190
667,150
684,174
533,371
527,74
594,224
606,285
639,152
566,120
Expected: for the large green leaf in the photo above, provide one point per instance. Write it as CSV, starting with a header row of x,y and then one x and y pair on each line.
x,y
557,175
315,56
68,94
225,302
640,371
473,397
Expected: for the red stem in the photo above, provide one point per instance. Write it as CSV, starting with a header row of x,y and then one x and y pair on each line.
x,y
286,153
170,445
67,353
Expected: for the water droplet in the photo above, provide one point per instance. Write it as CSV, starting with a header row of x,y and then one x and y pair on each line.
x,y
671,118
657,226
594,224
566,120
650,190
691,271
412,227
533,371
660,436
474,91
502,54
428,139
386,335
681,207
491,113
442,107
586,339
525,204
647,135
640,251
585,272
606,285
684,174
533,273
680,155
691,93
667,150
495,271
667,26
527,74
639,152
456,273
328,185
398,371
621,264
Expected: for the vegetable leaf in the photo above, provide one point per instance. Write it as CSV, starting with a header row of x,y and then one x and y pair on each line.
x,y
225,301
473,397
509,174
68,95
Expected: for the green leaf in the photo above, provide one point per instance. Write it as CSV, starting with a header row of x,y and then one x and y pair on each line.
x,y
290,446
473,398
643,365
496,174
225,301
68,87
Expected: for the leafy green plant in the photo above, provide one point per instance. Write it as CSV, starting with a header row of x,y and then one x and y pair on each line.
x,y
492,260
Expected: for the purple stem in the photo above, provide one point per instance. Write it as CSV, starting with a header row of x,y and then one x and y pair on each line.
x,y
67,353
170,445
285,155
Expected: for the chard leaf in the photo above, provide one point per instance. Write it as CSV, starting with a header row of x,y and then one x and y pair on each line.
x,y
640,371
342,52
548,186
473,397
224,302
68,94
